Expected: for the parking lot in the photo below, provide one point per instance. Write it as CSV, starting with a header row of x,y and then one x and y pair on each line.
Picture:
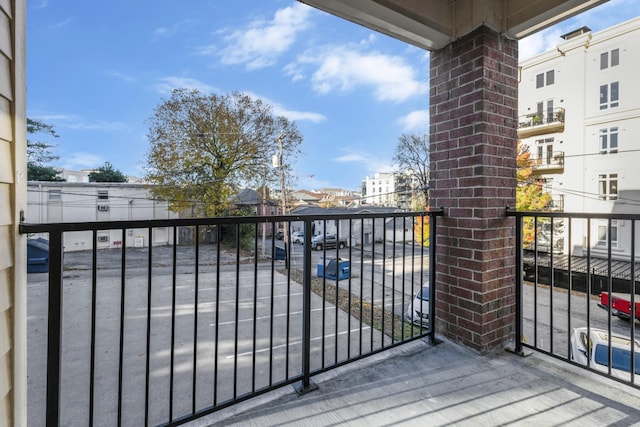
x,y
229,326
242,318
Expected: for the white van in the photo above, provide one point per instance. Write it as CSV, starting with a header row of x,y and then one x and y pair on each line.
x,y
597,343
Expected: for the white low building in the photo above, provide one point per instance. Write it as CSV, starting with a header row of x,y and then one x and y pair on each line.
x,y
54,202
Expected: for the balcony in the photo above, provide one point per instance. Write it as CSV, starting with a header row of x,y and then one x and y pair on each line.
x,y
547,165
557,203
196,330
540,124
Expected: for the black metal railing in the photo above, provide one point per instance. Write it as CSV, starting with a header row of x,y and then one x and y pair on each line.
x,y
537,119
545,163
142,333
576,288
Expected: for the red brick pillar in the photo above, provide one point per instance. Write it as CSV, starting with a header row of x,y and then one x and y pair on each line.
x,y
473,102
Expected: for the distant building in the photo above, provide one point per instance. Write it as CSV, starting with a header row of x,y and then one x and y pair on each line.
x,y
260,205
380,190
390,189
74,176
50,202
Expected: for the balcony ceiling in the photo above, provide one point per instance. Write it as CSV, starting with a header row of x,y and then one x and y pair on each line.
x,y
433,24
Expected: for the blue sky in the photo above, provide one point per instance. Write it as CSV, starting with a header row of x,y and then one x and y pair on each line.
x,y
96,71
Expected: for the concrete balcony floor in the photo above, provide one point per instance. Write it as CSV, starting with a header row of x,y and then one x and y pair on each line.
x,y
444,385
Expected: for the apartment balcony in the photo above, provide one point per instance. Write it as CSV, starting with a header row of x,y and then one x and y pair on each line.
x,y
221,325
540,124
557,203
548,164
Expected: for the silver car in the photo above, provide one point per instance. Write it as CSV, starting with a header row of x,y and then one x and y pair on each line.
x,y
418,310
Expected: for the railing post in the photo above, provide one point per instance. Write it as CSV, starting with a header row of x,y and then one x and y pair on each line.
x,y
306,385
519,283
432,280
54,328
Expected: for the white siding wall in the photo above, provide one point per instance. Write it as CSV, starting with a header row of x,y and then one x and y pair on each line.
x,y
79,202
12,200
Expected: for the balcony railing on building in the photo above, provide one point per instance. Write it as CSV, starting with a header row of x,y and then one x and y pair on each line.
x,y
539,124
548,164
556,204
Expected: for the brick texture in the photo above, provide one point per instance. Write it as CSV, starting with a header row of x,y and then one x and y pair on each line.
x,y
473,110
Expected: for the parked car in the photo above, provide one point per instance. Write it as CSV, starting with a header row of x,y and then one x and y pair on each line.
x,y
327,241
297,237
595,347
280,234
418,310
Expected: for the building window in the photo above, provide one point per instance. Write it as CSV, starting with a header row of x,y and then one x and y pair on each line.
x,y
603,236
550,77
608,186
103,195
544,151
55,195
608,59
609,95
609,140
545,79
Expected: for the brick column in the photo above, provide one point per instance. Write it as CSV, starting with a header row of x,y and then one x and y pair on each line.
x,y
473,102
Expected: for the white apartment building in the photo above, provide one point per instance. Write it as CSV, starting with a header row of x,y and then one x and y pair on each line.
x,y
88,202
580,116
390,190
380,189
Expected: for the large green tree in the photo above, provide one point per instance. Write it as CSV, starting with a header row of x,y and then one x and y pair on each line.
x,y
39,153
204,147
107,173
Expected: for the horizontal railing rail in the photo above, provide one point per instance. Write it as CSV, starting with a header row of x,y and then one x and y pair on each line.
x,y
574,301
163,321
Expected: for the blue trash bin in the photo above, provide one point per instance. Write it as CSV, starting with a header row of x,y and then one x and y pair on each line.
x,y
280,253
322,264
37,255
334,269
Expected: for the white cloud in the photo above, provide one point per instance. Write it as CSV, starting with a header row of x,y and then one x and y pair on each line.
x,y
166,85
415,121
81,160
539,42
61,24
295,71
370,162
262,42
280,110
77,122
344,69
312,181
173,29
121,76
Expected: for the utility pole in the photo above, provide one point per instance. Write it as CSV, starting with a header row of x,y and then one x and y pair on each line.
x,y
283,197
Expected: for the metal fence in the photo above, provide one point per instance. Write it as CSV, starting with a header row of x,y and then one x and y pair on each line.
x,y
126,332
573,269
